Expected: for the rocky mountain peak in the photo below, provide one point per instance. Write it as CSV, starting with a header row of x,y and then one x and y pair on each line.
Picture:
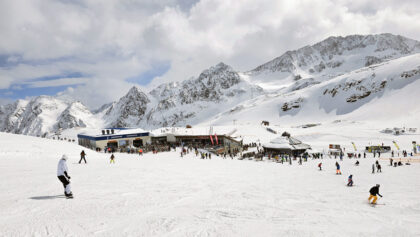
x,y
349,52
220,74
129,109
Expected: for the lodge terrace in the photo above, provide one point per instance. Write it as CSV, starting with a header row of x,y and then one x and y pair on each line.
x,y
123,138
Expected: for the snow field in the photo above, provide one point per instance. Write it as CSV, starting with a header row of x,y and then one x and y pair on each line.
x,y
165,195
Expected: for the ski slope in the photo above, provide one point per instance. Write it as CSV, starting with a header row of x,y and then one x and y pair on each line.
x,y
165,195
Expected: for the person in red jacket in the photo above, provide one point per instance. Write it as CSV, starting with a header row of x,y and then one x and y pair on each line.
x,y
320,166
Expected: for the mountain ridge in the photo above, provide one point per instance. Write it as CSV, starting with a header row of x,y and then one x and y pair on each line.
x,y
221,91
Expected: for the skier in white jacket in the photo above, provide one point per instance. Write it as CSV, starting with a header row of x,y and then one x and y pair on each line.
x,y
64,177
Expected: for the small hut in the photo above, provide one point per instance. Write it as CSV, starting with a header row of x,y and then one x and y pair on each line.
x,y
286,145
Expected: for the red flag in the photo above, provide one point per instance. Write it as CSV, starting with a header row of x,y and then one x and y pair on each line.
x,y
211,139
215,136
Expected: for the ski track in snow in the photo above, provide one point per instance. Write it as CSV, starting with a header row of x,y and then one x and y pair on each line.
x,y
165,195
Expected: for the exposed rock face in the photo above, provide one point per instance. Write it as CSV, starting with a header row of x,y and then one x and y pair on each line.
x,y
42,115
330,53
180,103
129,110
69,119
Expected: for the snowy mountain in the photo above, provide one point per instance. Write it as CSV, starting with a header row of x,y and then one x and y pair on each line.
x,y
378,92
177,104
43,115
329,58
129,110
339,77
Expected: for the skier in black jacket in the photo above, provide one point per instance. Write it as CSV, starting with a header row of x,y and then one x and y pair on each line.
x,y
373,192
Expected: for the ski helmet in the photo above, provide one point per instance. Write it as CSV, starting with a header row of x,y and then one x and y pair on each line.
x,y
64,157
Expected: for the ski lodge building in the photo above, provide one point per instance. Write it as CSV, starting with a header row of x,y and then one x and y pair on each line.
x,y
114,138
117,138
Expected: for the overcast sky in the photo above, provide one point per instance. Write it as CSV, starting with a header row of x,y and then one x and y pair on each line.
x,y
95,50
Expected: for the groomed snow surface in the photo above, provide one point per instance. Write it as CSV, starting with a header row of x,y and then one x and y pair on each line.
x,y
166,195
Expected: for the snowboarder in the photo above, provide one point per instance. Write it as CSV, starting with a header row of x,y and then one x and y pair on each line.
x,y
82,157
350,183
112,159
63,176
320,166
373,192
338,168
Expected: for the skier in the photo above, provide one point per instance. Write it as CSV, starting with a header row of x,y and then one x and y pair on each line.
x,y
350,183
320,166
390,161
357,163
373,191
63,176
364,154
379,168
373,168
82,157
112,159
338,168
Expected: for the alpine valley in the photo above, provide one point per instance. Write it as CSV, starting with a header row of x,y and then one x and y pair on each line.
x,y
357,77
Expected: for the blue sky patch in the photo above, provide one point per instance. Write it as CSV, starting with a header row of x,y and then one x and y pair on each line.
x,y
23,91
146,77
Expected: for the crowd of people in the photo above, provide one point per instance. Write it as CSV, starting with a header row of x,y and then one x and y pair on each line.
x,y
206,152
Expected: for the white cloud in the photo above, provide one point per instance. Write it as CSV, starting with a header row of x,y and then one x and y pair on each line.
x,y
111,41
57,82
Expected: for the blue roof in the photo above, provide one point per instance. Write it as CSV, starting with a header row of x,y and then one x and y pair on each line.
x,y
113,136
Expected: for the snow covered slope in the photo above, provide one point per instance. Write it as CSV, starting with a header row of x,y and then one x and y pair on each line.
x,y
165,195
386,89
329,58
